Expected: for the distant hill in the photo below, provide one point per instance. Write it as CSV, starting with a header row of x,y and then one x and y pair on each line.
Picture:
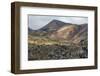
x,y
30,30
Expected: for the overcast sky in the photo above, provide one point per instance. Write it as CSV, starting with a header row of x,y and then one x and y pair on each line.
x,y
37,22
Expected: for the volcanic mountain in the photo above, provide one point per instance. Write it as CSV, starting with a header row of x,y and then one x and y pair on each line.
x,y
63,31
54,25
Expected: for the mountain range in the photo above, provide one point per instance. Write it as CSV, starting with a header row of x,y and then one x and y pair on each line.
x,y
62,31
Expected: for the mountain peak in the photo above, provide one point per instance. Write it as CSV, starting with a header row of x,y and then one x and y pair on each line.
x,y
53,25
57,22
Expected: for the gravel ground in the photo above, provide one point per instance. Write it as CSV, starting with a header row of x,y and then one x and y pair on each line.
x,y
55,52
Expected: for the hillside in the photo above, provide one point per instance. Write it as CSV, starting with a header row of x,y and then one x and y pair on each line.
x,y
62,31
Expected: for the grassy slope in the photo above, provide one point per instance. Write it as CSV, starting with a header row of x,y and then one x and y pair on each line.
x,y
43,48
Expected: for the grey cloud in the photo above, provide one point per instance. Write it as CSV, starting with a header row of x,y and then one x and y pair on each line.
x,y
37,22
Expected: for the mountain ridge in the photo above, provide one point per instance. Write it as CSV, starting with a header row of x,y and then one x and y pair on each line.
x,y
63,31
